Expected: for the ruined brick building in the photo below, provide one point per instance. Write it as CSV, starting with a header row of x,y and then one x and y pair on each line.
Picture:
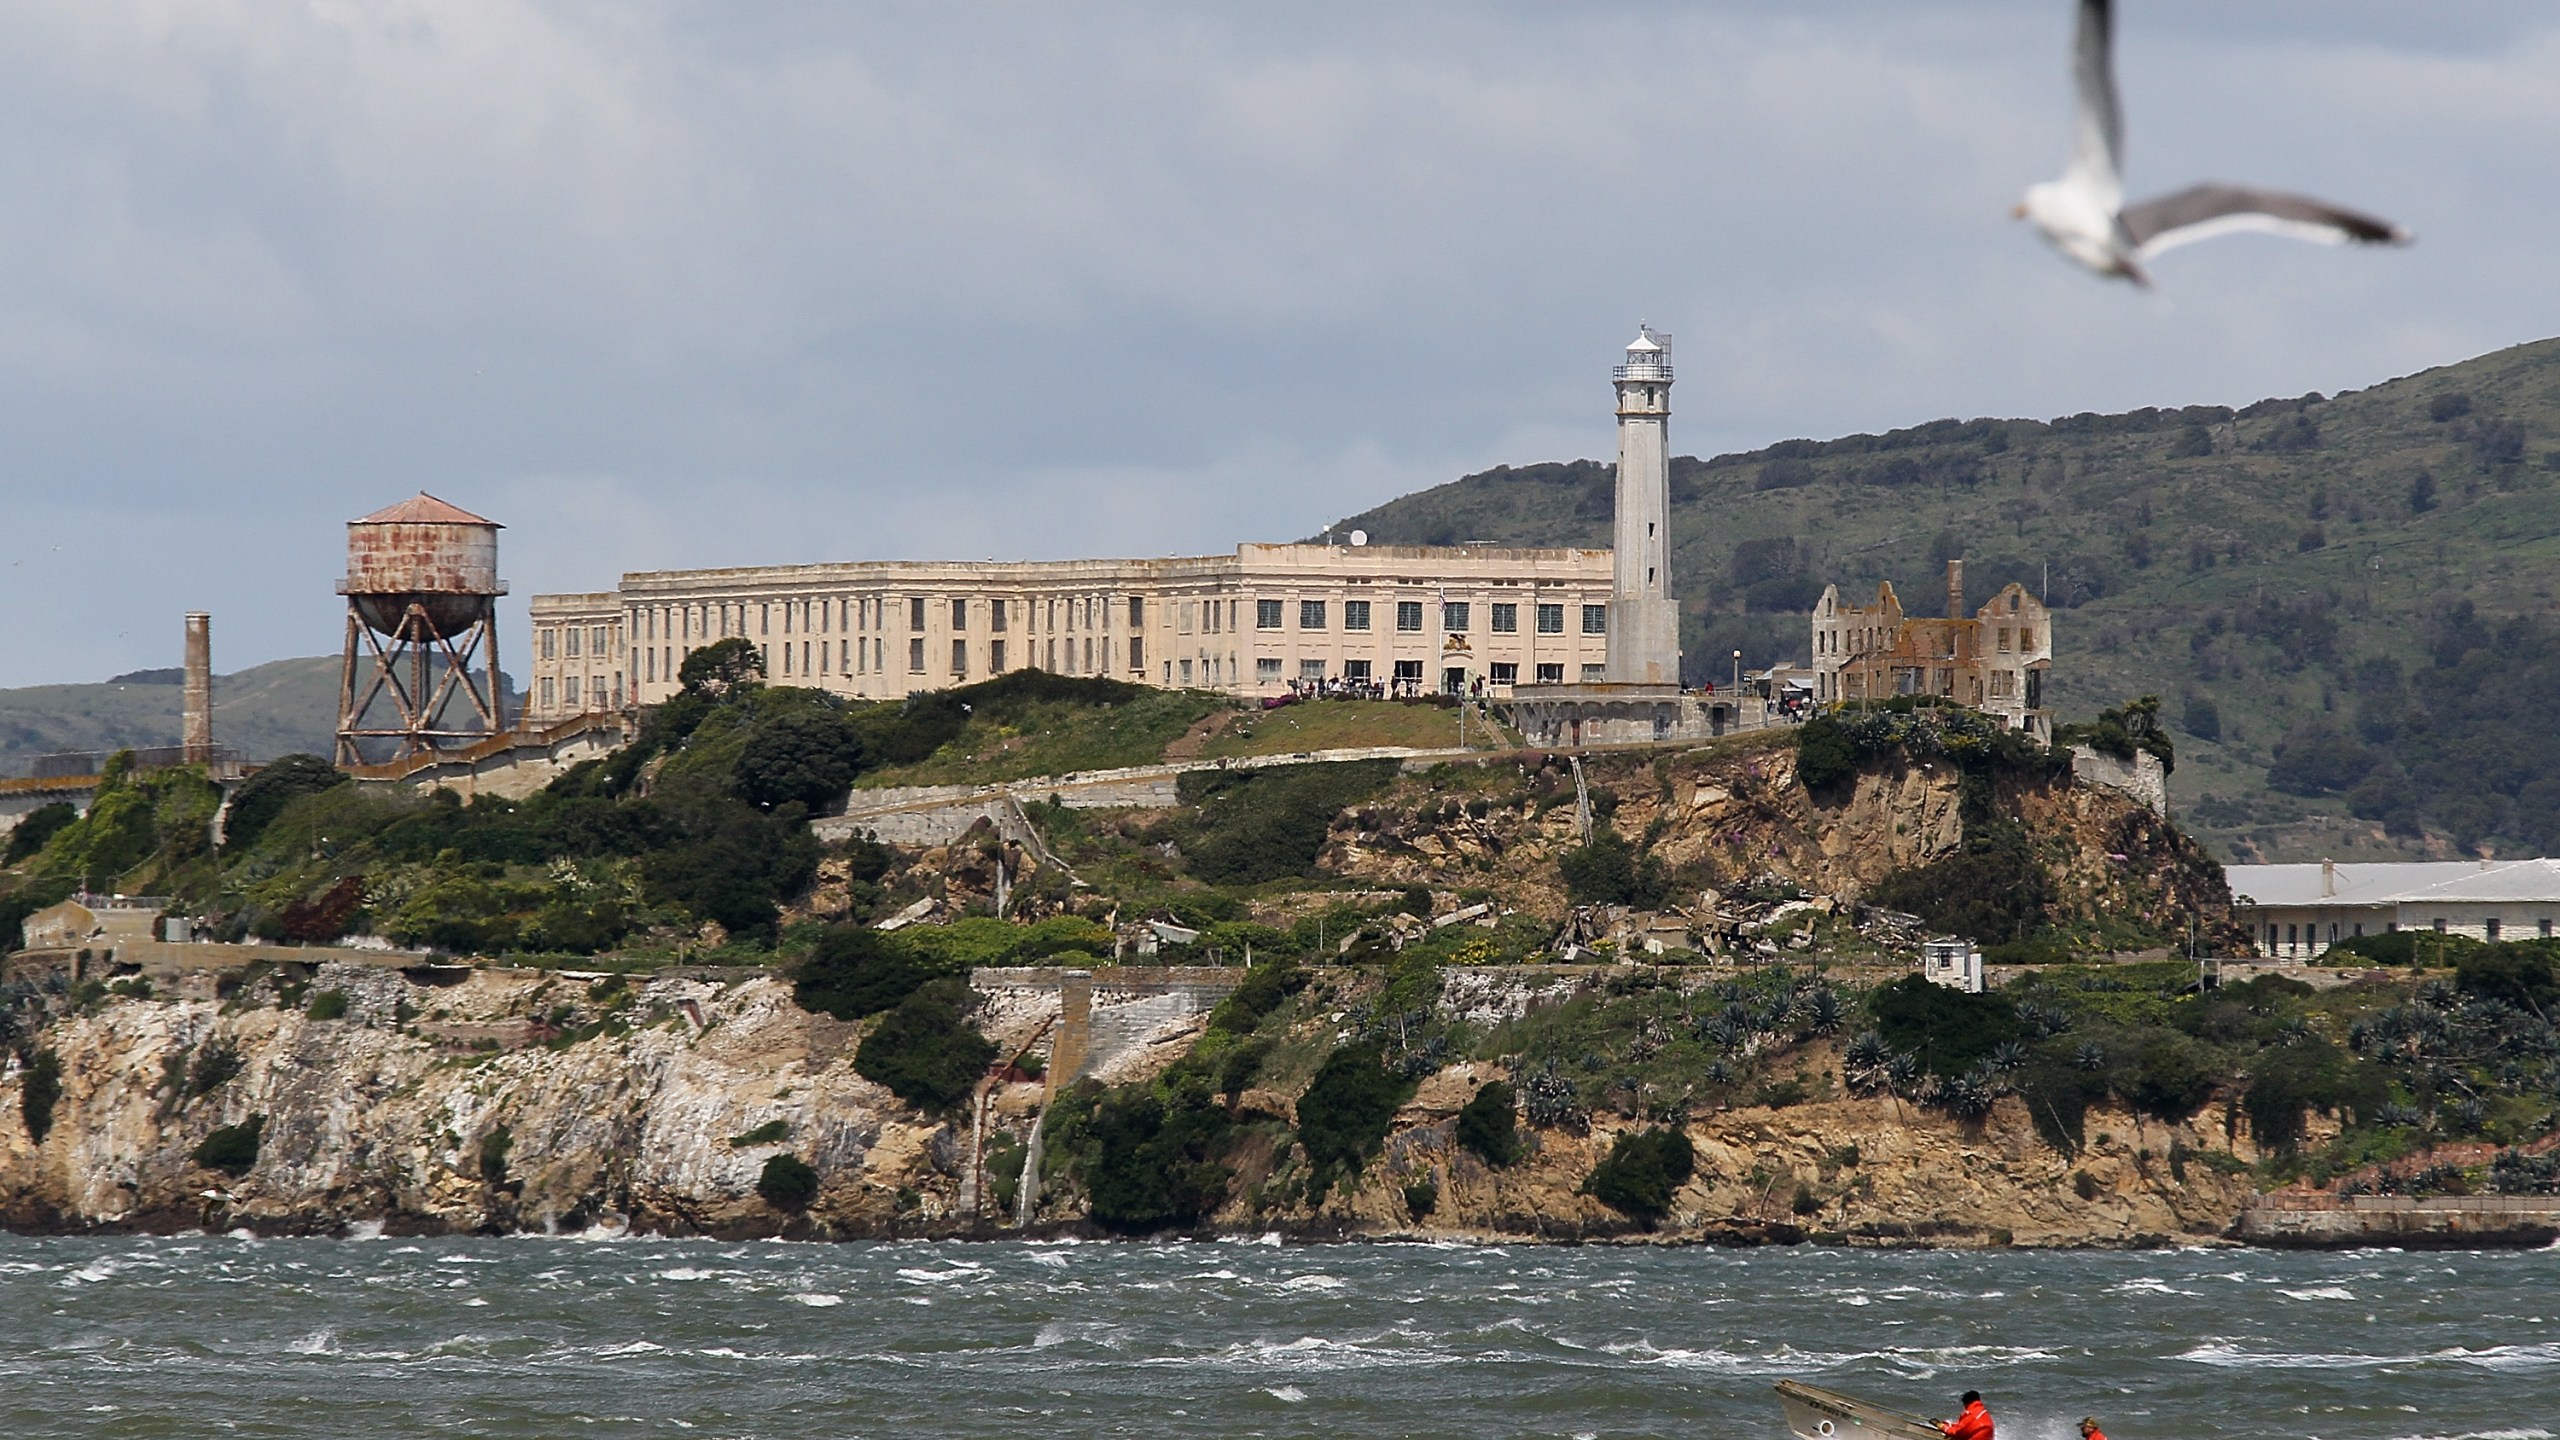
x,y
1995,660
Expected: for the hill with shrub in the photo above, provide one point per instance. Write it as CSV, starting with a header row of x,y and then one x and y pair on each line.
x,y
2343,600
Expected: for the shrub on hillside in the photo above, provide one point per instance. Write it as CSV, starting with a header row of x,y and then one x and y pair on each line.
x,y
328,1005
40,825
1343,1117
2520,974
788,1183
39,1090
1605,870
1642,1173
1489,1125
810,757
1946,1028
264,795
233,1148
1257,825
2309,1074
926,1052
1825,758
854,971
1149,1160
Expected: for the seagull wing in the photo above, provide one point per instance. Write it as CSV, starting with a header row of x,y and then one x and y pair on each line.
x,y
2201,212
2097,147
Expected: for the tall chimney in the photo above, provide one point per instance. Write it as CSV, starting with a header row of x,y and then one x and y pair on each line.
x,y
196,725
1955,589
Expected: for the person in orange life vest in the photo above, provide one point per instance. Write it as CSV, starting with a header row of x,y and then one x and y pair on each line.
x,y
2089,1429
1973,1424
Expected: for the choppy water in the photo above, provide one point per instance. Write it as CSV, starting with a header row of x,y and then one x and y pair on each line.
x,y
211,1336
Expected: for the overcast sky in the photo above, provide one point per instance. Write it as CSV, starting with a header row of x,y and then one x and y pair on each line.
x,y
672,284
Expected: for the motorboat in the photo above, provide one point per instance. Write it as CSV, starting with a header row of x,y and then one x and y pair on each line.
x,y
1814,1413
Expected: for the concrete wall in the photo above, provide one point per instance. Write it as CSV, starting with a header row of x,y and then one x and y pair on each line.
x,y
2445,1222
2141,778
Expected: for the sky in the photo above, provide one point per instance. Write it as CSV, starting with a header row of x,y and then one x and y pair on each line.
x,y
663,283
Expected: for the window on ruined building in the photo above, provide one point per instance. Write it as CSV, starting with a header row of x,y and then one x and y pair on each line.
x,y
959,613
1506,619
915,615
1595,619
1355,614
1408,616
1137,653
1053,653
2026,637
915,655
996,618
1266,614
1355,670
1190,617
1551,622
1310,669
549,699
1551,674
1137,612
550,643
1266,671
574,638
1503,672
1409,671
1186,672
1453,615
1594,674
959,657
1311,614
995,657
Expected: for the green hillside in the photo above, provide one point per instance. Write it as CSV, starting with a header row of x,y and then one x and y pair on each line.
x,y
2346,593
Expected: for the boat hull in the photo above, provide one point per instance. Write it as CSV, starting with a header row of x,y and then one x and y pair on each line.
x,y
1814,1413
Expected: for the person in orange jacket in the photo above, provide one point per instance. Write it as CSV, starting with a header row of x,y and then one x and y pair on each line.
x,y
2089,1428
1973,1424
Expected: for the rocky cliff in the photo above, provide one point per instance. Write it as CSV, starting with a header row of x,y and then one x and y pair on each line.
x,y
506,1100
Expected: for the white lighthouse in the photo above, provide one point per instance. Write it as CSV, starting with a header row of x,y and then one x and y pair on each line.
x,y
1644,621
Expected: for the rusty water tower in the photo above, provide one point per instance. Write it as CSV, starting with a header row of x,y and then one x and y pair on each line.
x,y
422,594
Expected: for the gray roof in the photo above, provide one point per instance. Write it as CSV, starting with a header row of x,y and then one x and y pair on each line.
x,y
2397,883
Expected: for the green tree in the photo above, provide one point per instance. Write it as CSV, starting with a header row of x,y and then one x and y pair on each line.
x,y
788,1183
926,1052
233,1149
1343,1117
810,757
1643,1172
723,667
1605,870
40,825
854,971
1825,756
264,795
1489,1125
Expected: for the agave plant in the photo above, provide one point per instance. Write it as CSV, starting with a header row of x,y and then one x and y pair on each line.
x,y
2007,1055
1820,1011
2090,1056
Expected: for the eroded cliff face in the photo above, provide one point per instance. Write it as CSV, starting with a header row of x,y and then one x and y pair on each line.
x,y
626,1117
1721,818
1875,1172
388,1115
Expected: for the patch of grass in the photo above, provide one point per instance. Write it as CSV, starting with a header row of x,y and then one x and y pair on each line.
x,y
1056,737
1350,724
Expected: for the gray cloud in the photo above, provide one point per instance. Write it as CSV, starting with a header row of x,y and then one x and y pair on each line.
x,y
692,283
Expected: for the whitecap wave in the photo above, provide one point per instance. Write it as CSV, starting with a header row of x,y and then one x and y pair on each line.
x,y
2320,1292
1295,1396
818,1301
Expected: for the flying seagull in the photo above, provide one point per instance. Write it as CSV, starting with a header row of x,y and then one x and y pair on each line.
x,y
2084,213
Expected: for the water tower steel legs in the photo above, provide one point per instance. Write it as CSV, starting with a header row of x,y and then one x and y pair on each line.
x,y
421,697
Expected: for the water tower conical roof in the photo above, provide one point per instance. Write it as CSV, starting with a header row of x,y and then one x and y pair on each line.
x,y
423,509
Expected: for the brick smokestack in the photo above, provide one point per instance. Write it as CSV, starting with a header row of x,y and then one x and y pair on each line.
x,y
1955,589
196,723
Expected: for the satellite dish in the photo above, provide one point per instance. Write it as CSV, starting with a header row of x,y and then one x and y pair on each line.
x,y
1359,537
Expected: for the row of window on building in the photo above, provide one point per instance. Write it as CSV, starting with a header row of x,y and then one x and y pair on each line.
x,y
2297,936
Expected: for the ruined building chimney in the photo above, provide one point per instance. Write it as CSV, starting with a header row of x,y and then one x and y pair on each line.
x,y
1955,589
196,724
